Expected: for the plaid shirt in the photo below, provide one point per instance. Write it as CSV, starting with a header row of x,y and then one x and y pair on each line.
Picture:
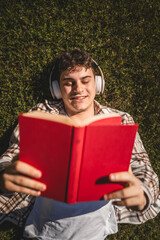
x,y
16,207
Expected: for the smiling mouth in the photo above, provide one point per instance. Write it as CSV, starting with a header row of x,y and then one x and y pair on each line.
x,y
78,98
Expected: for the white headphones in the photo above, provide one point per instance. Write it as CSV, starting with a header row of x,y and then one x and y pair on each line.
x,y
55,89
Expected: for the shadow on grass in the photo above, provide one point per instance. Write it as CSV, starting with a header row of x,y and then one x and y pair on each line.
x,y
9,231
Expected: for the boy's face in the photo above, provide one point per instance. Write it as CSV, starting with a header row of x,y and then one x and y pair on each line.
x,y
78,90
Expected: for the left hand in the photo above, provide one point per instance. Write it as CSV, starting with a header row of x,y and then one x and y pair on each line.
x,y
132,195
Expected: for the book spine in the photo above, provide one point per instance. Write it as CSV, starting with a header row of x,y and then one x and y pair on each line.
x,y
75,164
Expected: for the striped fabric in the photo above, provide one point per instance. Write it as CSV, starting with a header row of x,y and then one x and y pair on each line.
x,y
16,207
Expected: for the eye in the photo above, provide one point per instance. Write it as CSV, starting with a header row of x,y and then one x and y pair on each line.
x,y
86,80
67,84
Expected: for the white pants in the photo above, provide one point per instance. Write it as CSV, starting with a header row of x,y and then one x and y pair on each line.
x,y
52,219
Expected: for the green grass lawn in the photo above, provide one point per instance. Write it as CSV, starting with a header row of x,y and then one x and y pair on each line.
x,y
122,36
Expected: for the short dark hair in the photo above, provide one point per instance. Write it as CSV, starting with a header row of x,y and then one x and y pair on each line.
x,y
71,60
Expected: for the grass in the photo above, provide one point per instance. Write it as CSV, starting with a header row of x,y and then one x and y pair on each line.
x,y
8,231
122,36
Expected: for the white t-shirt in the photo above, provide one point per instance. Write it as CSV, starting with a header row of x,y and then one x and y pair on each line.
x,y
52,219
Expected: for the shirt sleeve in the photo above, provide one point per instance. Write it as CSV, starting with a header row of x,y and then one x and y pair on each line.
x,y
14,207
12,153
142,169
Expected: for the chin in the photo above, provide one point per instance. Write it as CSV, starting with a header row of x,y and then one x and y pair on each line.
x,y
79,107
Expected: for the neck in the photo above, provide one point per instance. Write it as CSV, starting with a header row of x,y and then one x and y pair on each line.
x,y
81,116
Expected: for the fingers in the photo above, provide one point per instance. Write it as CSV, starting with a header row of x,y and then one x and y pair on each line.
x,y
20,183
17,177
132,195
23,168
136,203
123,177
26,182
129,202
11,187
129,196
123,193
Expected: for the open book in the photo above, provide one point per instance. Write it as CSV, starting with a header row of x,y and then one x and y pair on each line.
x,y
75,161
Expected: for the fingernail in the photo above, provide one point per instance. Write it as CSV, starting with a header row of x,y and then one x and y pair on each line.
x,y
105,197
38,174
43,187
38,193
112,177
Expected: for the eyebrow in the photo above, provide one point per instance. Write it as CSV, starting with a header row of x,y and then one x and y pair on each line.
x,y
68,78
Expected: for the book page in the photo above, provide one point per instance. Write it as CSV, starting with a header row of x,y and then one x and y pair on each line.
x,y
68,121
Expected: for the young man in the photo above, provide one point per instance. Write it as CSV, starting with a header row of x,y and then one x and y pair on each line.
x,y
49,219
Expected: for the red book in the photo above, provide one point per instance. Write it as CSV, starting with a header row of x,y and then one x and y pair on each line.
x,y
75,161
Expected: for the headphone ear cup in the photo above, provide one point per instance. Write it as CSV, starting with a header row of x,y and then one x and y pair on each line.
x,y
99,84
56,92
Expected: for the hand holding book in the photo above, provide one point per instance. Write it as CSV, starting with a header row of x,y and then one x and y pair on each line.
x,y
21,177
132,195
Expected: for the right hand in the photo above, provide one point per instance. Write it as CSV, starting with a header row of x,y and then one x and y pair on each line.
x,y
17,177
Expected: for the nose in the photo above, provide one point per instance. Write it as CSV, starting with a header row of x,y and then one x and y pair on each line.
x,y
78,87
